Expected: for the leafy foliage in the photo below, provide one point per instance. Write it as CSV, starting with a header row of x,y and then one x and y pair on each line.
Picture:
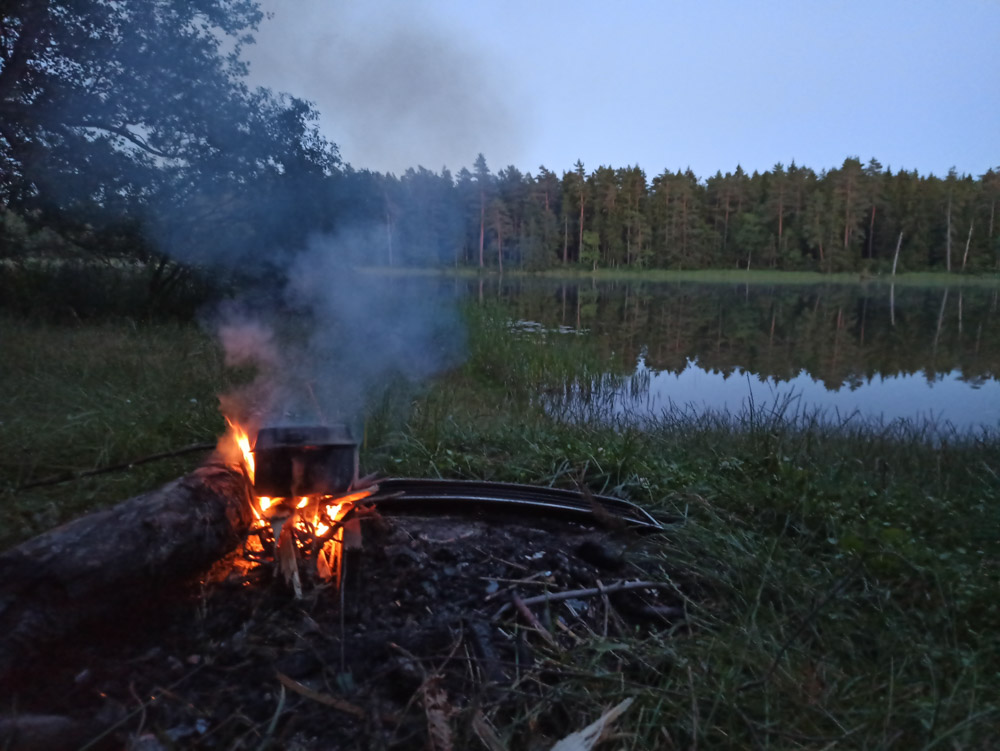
x,y
115,114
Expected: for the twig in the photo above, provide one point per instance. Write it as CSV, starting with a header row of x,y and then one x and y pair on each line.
x,y
523,609
330,701
533,580
593,592
67,477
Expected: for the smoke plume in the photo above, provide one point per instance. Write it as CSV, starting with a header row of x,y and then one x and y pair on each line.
x,y
392,89
330,338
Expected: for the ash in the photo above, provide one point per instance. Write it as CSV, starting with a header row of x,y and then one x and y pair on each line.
x,y
423,630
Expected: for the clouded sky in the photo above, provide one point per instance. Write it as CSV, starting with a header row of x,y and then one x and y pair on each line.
x,y
705,84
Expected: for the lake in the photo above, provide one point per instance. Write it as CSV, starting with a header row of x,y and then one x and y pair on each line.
x,y
876,353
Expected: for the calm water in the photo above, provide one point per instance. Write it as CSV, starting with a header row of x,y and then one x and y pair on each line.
x,y
868,353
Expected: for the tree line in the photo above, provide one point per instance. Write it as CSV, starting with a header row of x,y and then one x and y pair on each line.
x,y
852,218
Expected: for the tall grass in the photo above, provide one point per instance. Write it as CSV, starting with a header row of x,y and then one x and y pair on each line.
x,y
842,577
81,397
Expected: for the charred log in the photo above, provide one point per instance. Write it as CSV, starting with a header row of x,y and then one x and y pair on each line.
x,y
87,570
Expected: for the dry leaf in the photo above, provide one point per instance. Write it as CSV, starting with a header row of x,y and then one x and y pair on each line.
x,y
438,710
590,736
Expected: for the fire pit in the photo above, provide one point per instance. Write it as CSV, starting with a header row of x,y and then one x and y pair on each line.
x,y
416,603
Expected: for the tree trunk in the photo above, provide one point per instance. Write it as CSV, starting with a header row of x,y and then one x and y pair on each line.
x,y
895,258
565,239
482,225
684,235
871,232
968,241
117,560
725,226
847,219
781,220
499,242
947,242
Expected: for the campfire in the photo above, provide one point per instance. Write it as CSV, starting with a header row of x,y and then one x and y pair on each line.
x,y
305,484
463,590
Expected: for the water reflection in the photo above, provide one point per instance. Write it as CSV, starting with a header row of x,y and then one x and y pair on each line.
x,y
871,352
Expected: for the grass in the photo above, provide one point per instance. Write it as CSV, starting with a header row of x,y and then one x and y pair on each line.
x,y
842,581
81,397
724,276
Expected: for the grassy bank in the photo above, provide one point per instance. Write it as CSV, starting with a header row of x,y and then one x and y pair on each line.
x,y
842,583
722,276
80,397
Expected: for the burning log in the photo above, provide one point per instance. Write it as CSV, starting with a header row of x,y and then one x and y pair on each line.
x,y
94,566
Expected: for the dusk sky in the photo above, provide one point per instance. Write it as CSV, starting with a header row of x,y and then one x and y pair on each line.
x,y
665,85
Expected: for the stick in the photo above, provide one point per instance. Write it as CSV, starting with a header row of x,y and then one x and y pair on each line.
x,y
522,608
330,701
594,592
67,477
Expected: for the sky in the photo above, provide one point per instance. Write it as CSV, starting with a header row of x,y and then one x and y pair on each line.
x,y
703,85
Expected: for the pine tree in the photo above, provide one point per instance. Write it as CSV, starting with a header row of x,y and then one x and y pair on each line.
x,y
484,185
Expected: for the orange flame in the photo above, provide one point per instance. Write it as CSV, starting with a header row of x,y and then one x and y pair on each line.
x,y
242,440
353,497
334,508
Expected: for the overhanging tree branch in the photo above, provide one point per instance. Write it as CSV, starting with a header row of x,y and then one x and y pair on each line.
x,y
123,132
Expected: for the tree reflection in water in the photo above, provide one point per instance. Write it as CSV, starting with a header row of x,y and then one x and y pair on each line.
x,y
843,352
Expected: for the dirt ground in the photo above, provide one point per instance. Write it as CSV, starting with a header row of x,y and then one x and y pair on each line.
x,y
423,640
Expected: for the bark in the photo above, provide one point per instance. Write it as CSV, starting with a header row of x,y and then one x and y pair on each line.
x,y
86,571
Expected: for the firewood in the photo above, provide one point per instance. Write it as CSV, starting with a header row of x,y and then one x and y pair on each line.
x,y
45,733
87,570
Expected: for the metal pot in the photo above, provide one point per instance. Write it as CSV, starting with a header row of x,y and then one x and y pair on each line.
x,y
299,461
